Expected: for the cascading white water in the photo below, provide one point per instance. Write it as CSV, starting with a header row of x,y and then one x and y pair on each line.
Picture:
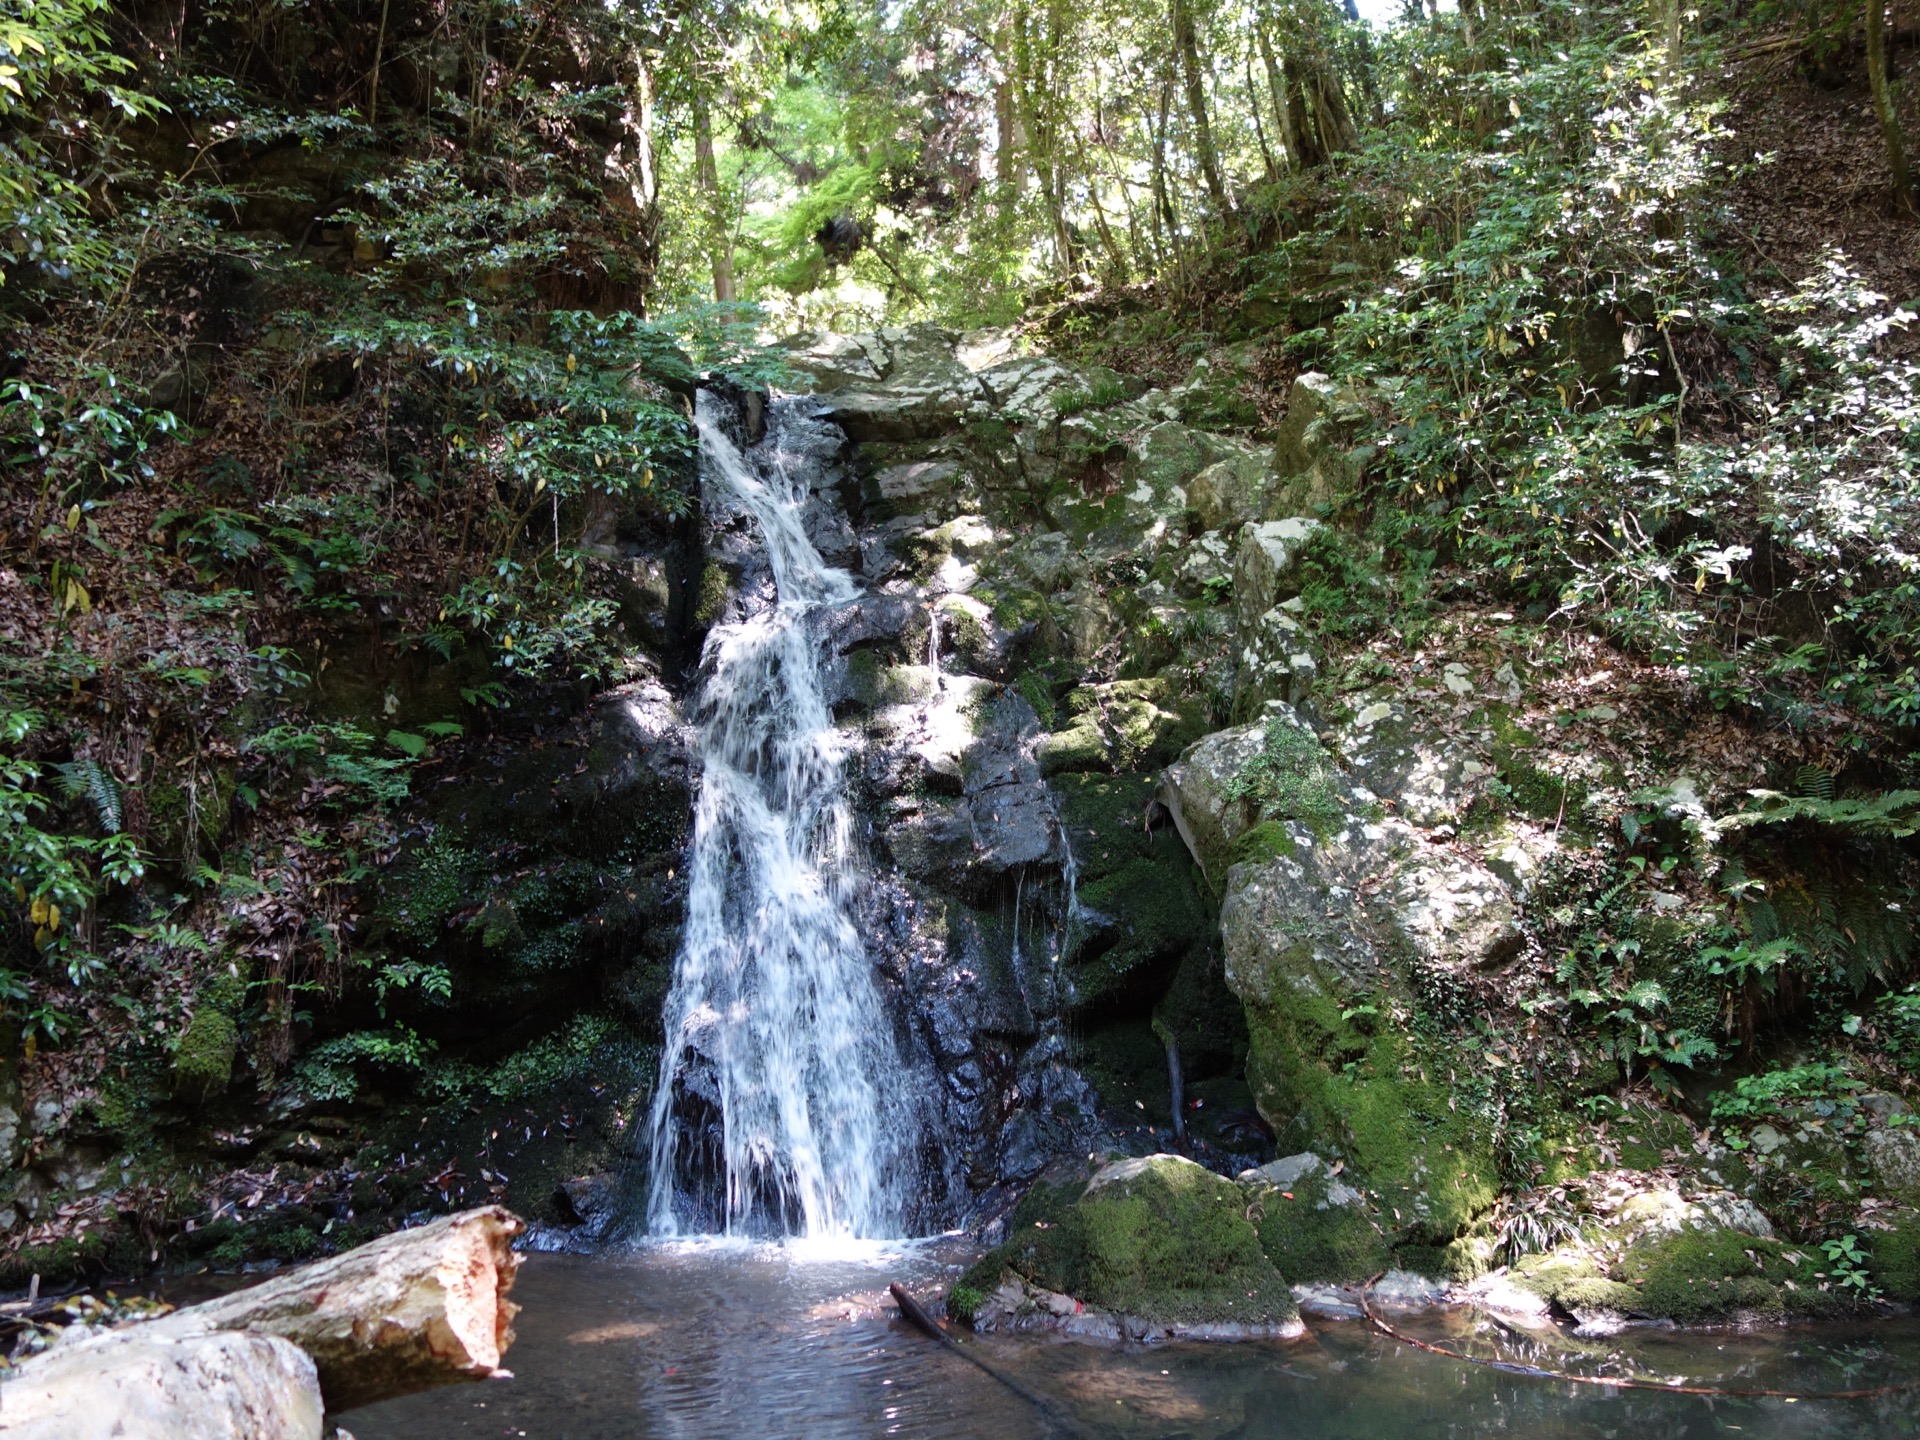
x,y
773,1001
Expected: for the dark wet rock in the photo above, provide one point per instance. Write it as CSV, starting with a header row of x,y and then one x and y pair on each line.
x,y
589,1205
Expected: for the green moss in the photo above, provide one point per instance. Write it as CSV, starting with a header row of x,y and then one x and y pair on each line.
x,y
1158,915
1596,1293
1080,747
1310,1240
1896,1258
710,599
964,1302
226,987
1269,840
1014,605
925,551
964,637
1558,1273
1323,1082
1105,819
1292,778
203,1056
57,1263
1168,1242
1701,1275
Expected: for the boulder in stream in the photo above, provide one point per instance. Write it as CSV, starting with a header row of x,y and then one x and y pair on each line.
x,y
1151,1247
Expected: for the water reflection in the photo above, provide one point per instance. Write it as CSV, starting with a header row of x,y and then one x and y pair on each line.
x,y
708,1340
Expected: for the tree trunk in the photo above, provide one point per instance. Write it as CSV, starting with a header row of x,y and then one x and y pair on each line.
x,y
1310,149
719,232
1277,89
1006,151
645,188
1883,108
1186,42
410,1311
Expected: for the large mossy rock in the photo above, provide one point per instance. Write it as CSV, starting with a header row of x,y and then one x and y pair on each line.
x,y
1333,919
1700,1258
1313,1225
1155,1237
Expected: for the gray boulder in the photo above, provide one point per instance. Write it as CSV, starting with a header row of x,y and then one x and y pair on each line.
x,y
1264,564
226,1386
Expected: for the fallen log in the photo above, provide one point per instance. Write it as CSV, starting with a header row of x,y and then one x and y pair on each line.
x,y
407,1312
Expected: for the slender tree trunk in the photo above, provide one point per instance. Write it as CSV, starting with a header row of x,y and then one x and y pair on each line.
x,y
373,83
1186,42
1277,91
1889,118
1162,201
646,179
1006,152
1259,125
719,232
1116,260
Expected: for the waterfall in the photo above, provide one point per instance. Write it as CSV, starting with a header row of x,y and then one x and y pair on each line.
x,y
779,1058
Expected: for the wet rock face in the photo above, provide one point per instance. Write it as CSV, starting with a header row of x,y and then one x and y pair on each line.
x,y
1068,586
942,674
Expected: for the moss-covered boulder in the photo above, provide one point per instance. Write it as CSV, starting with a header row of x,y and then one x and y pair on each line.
x,y
1122,725
1698,1276
1318,447
1157,1238
1895,1251
1574,1279
1706,1258
203,1057
1312,1224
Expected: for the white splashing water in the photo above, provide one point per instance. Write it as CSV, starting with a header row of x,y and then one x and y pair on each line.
x,y
774,1018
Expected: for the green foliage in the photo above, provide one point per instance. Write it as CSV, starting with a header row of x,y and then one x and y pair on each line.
x,y
1900,1023
1825,1089
341,758
336,1069
55,877
588,1046
1847,1265
1893,815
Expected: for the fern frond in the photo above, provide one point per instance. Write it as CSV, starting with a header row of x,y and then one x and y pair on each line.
x,y
1814,783
92,779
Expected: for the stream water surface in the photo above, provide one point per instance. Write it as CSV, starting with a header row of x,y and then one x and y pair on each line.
x,y
711,1340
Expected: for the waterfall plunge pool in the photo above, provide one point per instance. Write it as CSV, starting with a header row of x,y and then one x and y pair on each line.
x,y
799,1341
